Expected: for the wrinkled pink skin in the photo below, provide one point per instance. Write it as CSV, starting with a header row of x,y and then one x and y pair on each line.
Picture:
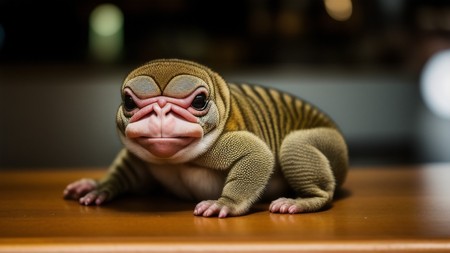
x,y
164,125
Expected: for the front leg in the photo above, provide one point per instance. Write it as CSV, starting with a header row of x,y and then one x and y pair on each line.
x,y
249,163
127,173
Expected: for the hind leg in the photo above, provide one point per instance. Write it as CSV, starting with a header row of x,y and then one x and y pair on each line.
x,y
314,162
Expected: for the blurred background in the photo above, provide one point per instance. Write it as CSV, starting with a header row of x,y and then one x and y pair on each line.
x,y
378,67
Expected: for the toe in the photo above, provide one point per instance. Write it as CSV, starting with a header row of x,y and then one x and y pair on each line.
x,y
201,207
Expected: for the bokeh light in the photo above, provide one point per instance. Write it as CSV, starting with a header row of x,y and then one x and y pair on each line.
x,y
340,10
435,84
106,20
106,33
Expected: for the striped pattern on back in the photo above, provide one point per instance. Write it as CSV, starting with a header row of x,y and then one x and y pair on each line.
x,y
271,114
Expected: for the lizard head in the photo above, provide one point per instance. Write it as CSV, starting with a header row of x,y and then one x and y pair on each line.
x,y
172,110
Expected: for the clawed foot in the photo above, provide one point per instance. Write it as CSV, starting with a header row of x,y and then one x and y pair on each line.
x,y
210,208
284,205
86,192
94,197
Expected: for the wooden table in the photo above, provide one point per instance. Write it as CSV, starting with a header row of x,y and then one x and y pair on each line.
x,y
404,209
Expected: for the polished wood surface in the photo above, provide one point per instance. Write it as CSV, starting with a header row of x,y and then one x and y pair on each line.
x,y
381,209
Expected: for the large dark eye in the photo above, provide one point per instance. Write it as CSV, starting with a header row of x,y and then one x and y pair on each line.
x,y
199,103
128,102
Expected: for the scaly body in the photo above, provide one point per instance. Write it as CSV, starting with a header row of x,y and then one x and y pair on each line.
x,y
185,128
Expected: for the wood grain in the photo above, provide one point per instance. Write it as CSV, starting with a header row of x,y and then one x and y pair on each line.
x,y
400,209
